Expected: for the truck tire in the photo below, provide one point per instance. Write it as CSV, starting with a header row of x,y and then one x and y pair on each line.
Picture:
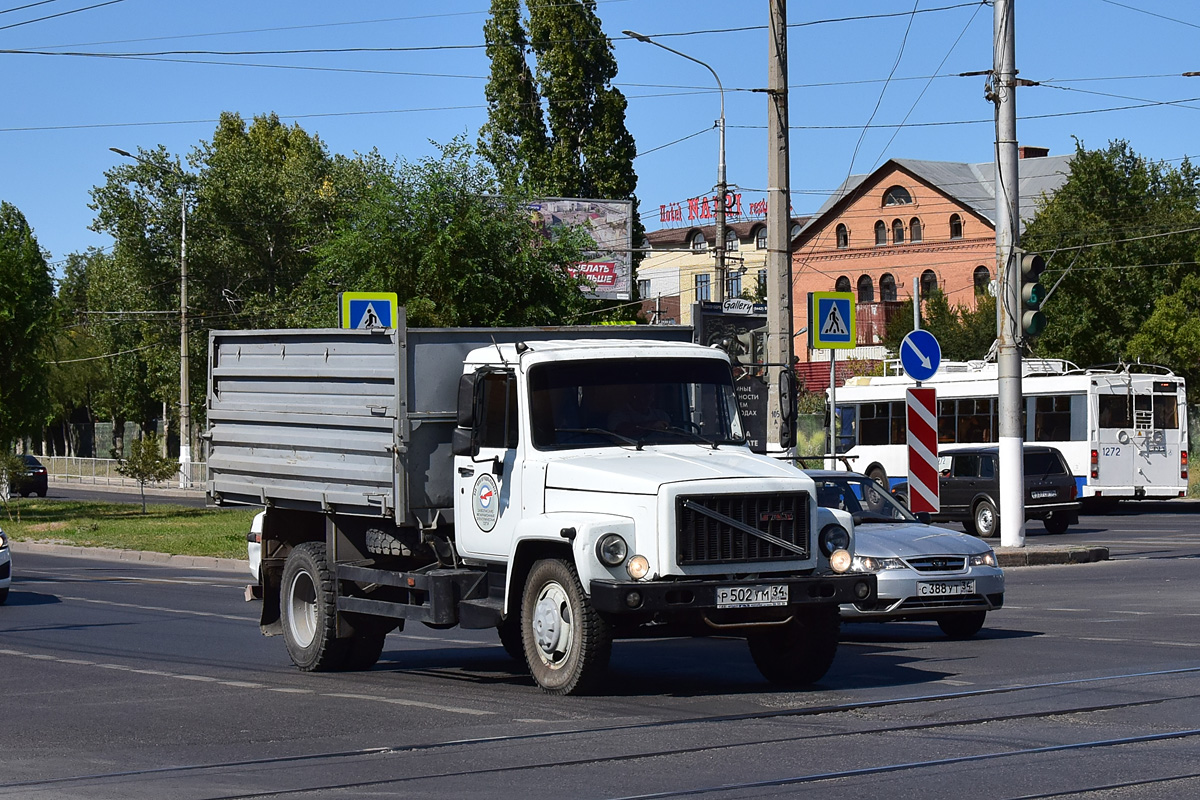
x,y
800,652
307,604
567,644
985,519
962,626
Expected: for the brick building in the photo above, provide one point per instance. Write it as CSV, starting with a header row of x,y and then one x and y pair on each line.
x,y
928,221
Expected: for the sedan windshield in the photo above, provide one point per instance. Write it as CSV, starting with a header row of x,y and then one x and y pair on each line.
x,y
865,499
633,402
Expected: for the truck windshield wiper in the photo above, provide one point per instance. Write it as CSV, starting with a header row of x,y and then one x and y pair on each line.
x,y
690,435
603,432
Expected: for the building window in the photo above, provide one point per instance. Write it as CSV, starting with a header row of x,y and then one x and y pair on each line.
x,y
760,238
643,289
733,283
928,282
880,233
866,289
843,237
897,232
914,230
955,226
698,242
703,287
982,279
897,196
842,284
731,241
887,288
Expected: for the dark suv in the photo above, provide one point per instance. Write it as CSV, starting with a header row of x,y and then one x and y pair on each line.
x,y
32,479
970,489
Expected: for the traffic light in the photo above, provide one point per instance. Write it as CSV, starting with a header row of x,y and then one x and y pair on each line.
x,y
1033,321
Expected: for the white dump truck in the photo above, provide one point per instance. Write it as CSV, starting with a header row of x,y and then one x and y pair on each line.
x,y
566,486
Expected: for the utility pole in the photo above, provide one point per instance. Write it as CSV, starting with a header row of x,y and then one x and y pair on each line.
x,y
780,353
1008,272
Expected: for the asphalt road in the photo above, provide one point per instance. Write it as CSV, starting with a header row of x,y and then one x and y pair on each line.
x,y
129,680
122,494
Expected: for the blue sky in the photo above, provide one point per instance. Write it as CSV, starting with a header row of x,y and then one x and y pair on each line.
x,y
862,90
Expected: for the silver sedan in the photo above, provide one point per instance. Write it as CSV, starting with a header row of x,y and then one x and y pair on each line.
x,y
924,572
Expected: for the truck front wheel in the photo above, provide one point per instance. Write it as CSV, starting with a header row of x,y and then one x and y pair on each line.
x,y
307,602
567,644
799,652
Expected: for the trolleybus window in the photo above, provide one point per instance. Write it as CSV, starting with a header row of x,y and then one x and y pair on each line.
x,y
1052,418
1114,411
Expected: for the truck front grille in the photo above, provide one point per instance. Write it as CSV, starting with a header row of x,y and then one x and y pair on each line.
x,y
705,539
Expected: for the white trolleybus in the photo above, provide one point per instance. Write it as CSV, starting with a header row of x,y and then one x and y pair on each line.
x,y
1122,429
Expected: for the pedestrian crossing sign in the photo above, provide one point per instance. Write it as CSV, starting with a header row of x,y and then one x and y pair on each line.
x,y
368,310
831,323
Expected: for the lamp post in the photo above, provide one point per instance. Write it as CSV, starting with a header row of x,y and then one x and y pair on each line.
x,y
185,409
722,187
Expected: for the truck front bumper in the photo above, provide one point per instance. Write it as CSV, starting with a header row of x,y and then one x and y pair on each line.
x,y
637,597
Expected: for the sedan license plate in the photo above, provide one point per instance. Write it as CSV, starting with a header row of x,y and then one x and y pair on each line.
x,y
775,594
945,588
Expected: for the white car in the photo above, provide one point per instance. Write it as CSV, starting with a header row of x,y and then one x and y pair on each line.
x,y
924,572
5,567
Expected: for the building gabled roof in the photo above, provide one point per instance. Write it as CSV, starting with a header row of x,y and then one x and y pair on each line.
x,y
677,238
973,185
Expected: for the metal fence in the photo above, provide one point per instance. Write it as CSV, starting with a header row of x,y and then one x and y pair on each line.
x,y
103,472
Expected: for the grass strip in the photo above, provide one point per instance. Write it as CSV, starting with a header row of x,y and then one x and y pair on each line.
x,y
172,529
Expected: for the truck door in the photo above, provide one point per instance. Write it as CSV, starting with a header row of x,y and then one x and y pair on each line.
x,y
487,482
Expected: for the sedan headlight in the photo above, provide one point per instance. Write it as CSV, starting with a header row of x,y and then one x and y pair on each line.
x,y
872,564
834,537
987,559
611,549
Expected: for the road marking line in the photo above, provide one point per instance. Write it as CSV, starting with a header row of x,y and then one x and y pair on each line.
x,y
416,703
156,608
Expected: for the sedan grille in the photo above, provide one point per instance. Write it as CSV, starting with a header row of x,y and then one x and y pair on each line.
x,y
938,563
703,538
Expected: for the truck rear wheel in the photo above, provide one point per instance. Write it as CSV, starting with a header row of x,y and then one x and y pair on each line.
x,y
799,652
308,603
567,644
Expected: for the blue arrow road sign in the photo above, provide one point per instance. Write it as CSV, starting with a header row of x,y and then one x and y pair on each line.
x,y
920,354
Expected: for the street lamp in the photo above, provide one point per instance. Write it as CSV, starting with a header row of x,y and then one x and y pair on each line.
x,y
185,409
721,185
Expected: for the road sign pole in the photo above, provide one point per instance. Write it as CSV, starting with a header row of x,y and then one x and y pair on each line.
x,y
832,409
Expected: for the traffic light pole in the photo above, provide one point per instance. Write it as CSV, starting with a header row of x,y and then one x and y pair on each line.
x,y
1009,305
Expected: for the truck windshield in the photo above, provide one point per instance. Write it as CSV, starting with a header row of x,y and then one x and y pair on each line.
x,y
623,402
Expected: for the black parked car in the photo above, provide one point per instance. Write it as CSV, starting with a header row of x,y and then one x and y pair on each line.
x,y
32,480
970,489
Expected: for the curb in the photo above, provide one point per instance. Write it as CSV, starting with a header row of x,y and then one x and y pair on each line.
x,y
142,556
1037,556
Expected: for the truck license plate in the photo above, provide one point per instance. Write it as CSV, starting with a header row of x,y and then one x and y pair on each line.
x,y
945,588
775,594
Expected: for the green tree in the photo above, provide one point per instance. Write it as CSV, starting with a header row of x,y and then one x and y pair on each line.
x,y
558,129
26,296
146,464
1171,335
1119,235
963,333
455,255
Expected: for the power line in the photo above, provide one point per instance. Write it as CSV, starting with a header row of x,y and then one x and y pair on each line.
x,y
60,14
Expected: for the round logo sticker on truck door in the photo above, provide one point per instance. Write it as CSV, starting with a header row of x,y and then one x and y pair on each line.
x,y
485,502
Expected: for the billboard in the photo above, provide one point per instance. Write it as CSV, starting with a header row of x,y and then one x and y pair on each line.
x,y
609,268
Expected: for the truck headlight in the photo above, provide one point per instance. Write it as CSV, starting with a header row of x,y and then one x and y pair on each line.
x,y
834,537
638,567
611,549
840,560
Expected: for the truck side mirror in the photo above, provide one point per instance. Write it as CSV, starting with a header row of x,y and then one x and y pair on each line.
x,y
464,443
466,400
